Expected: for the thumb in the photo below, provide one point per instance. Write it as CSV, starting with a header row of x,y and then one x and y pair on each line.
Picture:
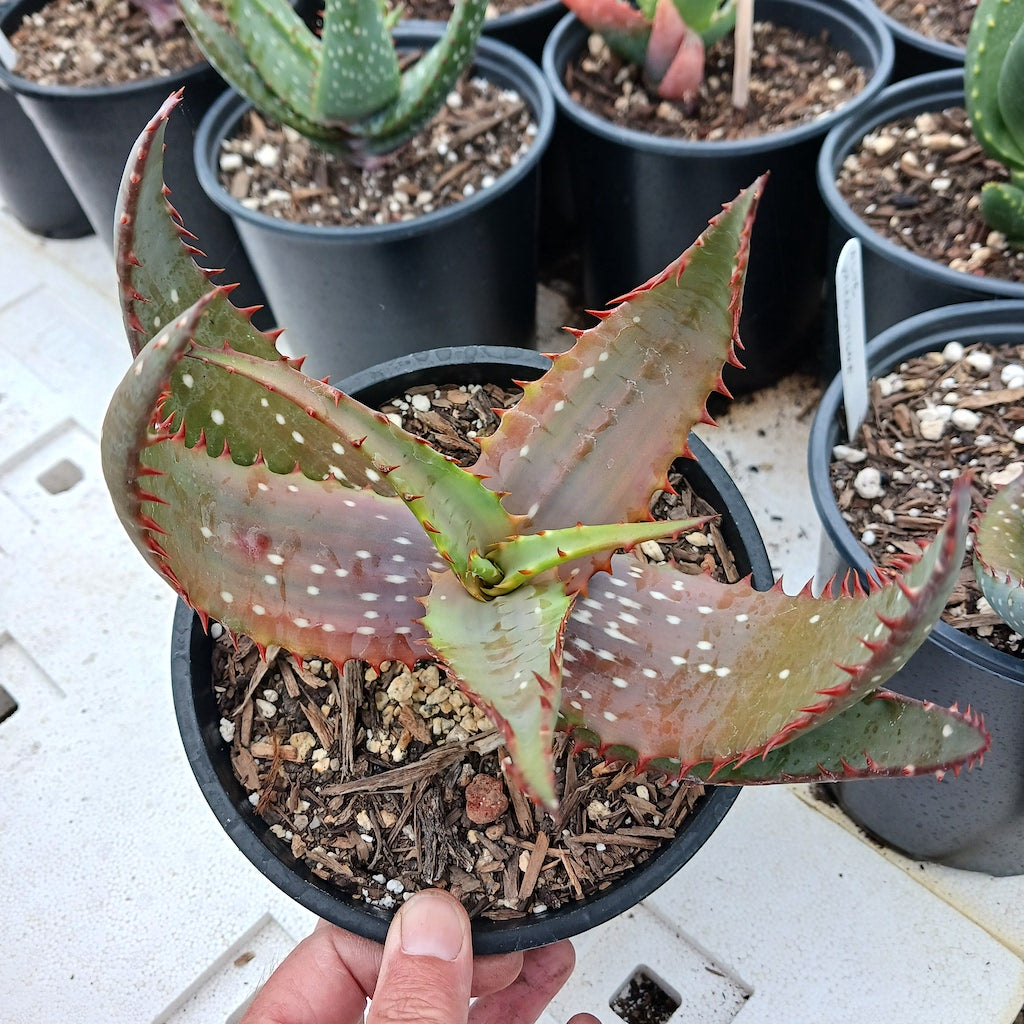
x,y
427,969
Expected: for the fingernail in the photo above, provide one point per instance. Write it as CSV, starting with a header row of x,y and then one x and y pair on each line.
x,y
432,926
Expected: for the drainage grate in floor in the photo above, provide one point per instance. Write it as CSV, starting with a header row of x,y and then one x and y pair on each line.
x,y
645,999
8,705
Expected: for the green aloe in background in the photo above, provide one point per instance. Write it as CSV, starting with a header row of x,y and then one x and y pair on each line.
x,y
344,90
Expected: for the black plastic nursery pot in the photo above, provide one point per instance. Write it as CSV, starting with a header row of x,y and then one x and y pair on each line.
x,y
209,756
916,53
639,198
897,282
975,821
90,130
30,182
527,28
356,296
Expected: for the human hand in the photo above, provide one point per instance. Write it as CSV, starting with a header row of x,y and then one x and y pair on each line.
x,y
425,973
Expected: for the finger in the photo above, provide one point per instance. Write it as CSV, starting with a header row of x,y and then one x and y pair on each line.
x,y
544,972
490,973
325,980
427,969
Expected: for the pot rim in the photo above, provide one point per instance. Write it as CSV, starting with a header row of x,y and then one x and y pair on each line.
x,y
857,16
521,15
931,91
13,82
276,862
491,56
924,332
918,40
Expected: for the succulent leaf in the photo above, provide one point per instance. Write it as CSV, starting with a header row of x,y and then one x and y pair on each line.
x,y
622,26
884,735
283,51
348,90
507,654
661,348
304,564
522,558
994,37
999,553
428,82
229,57
461,515
1002,206
687,668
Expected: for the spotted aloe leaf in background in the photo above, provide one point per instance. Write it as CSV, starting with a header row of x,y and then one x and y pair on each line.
x,y
999,553
292,513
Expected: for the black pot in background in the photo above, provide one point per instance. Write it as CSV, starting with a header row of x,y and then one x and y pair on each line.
x,y
90,130
918,54
527,28
198,716
897,282
977,820
355,296
639,198
31,184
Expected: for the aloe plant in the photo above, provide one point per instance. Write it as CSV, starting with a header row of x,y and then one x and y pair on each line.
x,y
667,38
994,93
999,553
288,511
344,90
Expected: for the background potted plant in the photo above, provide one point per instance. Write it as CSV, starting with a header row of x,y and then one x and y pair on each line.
x,y
89,128
636,189
679,671
904,174
333,283
978,823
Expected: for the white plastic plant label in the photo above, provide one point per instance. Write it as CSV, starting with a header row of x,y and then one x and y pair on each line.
x,y
852,341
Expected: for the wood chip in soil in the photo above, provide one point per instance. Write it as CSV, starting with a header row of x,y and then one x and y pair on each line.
x,y
99,42
974,403
374,777
916,181
947,21
481,131
795,78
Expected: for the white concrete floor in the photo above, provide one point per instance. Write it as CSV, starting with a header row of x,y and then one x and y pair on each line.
x,y
111,910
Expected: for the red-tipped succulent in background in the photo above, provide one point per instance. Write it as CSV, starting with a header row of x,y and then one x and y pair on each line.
x,y
289,512
667,38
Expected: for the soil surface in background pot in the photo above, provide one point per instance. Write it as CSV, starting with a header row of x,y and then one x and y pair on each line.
x,y
480,132
947,21
389,782
935,417
92,42
795,78
916,181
